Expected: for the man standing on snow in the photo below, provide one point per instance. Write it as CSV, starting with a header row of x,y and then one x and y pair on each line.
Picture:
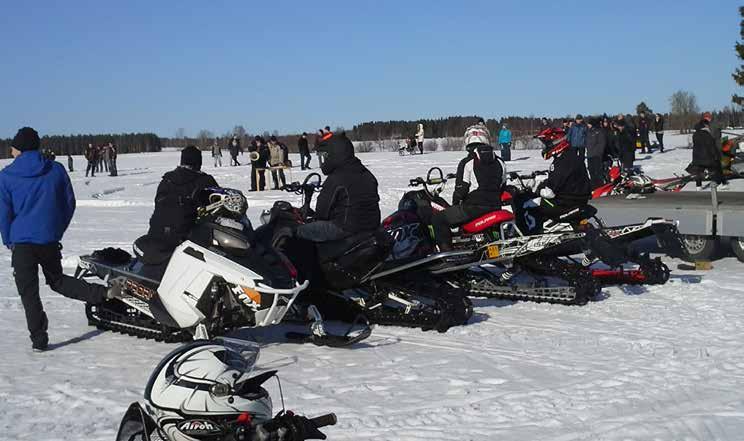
x,y
90,156
217,153
706,156
420,138
643,129
577,136
505,141
304,149
36,206
596,144
659,130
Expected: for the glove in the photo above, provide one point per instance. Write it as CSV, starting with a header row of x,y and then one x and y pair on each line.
x,y
547,193
289,427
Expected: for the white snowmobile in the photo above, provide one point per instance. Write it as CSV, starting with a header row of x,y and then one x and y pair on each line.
x,y
218,280
204,391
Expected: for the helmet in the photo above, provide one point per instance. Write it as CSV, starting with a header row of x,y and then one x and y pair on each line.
x,y
200,388
477,134
225,201
554,141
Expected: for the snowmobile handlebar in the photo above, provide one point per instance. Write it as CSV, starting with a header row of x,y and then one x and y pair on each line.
x,y
328,419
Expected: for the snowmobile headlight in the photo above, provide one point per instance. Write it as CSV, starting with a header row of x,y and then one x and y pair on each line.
x,y
220,390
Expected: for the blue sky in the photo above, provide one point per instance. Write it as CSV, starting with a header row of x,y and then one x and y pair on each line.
x,y
98,66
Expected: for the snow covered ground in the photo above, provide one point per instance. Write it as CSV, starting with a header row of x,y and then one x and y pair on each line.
x,y
662,362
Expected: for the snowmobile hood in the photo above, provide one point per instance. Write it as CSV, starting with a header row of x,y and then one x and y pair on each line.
x,y
338,150
29,164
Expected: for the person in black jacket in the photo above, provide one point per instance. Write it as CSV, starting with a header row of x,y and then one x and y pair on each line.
x,y
596,144
349,203
175,207
567,185
705,155
302,146
480,180
259,160
643,129
624,145
659,130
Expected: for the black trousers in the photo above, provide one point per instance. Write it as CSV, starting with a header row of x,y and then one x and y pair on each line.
x,y
112,168
506,151
261,178
69,164
280,174
420,147
91,168
304,160
26,260
596,171
441,221
660,140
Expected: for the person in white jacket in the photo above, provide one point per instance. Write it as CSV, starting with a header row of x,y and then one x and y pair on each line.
x,y
420,138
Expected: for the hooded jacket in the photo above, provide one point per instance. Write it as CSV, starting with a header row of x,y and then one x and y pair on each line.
x,y
704,151
596,142
577,135
36,200
505,136
175,208
569,180
349,196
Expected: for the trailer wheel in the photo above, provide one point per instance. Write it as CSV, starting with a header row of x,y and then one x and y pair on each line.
x,y
700,247
737,244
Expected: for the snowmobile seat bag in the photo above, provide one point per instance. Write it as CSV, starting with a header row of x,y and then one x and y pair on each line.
x,y
152,251
487,221
345,263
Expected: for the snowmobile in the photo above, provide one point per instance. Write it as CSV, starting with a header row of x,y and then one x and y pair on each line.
x,y
204,390
351,278
486,251
522,241
633,182
218,280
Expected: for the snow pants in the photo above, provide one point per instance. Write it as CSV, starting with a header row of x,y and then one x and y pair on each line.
x,y
26,260
506,151
660,140
596,171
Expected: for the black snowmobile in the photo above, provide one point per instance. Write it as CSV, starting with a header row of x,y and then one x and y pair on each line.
x,y
509,244
351,277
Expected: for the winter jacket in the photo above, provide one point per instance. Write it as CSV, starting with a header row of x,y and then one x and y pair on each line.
x,y
349,197
113,153
175,207
106,154
577,135
302,146
36,200
480,178
504,136
643,125
569,180
625,146
596,143
234,147
659,125
91,154
705,154
276,154
216,151
420,133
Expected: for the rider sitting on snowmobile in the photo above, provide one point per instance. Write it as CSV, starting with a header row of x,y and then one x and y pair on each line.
x,y
480,181
175,208
567,186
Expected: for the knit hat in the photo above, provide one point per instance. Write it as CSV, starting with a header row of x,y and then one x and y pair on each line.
x,y
26,139
192,157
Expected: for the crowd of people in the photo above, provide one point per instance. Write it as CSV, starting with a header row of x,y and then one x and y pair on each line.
x,y
100,159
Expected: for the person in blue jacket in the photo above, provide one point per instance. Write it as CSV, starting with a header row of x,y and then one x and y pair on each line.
x,y
505,140
36,206
577,136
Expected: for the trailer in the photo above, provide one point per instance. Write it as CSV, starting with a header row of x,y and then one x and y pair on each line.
x,y
706,220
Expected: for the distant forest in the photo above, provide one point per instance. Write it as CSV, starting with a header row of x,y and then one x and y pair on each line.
x,y
450,127
76,144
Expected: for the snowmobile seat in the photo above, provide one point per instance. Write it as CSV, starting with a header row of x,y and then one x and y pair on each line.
x,y
578,214
487,221
153,255
346,262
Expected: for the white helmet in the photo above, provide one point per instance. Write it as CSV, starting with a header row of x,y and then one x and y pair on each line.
x,y
200,387
477,134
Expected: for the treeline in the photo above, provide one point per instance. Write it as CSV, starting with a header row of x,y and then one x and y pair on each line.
x,y
76,144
